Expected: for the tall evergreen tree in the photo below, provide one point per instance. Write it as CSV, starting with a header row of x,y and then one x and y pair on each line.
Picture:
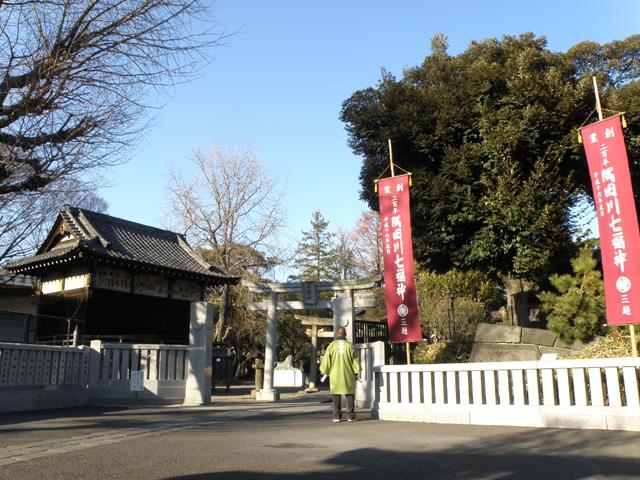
x,y
489,135
315,257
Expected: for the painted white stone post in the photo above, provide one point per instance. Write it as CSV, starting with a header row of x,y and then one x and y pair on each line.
x,y
313,365
343,315
268,393
94,367
199,370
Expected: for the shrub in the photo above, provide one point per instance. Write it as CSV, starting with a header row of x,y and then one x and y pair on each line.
x,y
451,330
577,310
456,350
614,345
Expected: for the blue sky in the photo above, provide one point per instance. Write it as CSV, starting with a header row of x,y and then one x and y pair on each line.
x,y
279,84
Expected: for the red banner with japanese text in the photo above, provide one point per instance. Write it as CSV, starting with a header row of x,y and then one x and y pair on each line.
x,y
399,281
617,218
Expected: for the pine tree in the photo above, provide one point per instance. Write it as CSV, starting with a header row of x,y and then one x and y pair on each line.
x,y
577,311
315,255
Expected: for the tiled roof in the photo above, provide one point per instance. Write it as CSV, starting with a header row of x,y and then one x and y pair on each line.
x,y
126,242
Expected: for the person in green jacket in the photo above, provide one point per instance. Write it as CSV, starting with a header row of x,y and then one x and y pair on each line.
x,y
342,365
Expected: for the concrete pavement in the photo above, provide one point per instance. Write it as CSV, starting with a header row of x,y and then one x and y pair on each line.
x,y
295,439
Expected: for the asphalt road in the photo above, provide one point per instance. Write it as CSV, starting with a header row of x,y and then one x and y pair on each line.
x,y
295,440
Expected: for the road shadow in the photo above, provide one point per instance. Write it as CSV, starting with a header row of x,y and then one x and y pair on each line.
x,y
540,454
108,418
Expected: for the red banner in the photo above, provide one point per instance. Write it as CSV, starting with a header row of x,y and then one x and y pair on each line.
x,y
397,251
617,219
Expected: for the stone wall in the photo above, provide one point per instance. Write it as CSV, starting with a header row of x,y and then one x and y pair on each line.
x,y
34,377
502,343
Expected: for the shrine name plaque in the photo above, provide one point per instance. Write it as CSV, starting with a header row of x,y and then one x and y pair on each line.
x,y
151,285
112,279
183,290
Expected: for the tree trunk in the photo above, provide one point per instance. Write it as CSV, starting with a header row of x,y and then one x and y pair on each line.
x,y
222,315
518,292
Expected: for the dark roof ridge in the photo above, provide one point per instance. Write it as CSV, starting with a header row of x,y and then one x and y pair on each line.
x,y
87,225
115,240
68,216
110,218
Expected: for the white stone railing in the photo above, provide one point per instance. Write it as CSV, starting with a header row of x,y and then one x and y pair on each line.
x,y
371,356
164,372
599,393
40,376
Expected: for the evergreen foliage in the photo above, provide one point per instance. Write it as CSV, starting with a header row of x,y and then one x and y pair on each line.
x,y
490,138
577,310
315,257
473,284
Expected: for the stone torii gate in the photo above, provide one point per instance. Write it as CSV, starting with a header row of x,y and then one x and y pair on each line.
x,y
314,333
342,306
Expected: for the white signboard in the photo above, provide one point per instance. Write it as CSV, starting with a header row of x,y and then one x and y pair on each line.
x,y
63,284
137,381
52,286
76,282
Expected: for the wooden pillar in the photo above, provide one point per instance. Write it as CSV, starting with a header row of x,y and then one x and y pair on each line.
x,y
268,393
313,365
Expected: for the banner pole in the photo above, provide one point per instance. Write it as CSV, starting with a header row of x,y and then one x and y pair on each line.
x,y
632,331
393,173
598,105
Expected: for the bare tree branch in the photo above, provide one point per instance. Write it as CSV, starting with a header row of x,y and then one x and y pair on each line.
x,y
367,241
25,217
76,78
233,209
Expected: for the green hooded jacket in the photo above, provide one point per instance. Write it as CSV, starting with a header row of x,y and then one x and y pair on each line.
x,y
341,364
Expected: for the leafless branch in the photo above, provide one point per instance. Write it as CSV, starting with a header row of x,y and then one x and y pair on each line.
x,y
76,79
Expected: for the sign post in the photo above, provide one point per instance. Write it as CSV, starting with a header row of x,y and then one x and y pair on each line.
x,y
617,218
397,251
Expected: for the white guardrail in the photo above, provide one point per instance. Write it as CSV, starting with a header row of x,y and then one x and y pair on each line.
x,y
598,393
40,376
162,370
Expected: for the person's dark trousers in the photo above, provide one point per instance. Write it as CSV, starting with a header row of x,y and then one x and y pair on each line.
x,y
337,411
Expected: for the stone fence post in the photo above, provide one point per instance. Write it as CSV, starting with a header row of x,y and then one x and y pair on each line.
x,y
95,353
199,368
